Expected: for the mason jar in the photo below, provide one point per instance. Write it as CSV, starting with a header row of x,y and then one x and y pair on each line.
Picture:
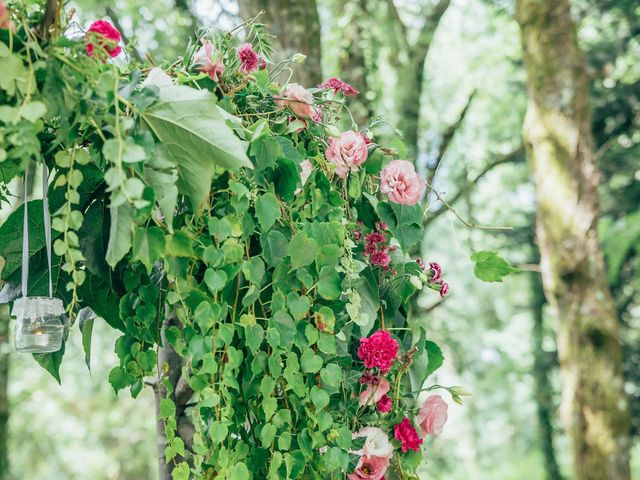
x,y
40,324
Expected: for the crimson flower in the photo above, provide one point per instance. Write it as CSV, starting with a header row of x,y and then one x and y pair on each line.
x,y
379,350
106,36
407,436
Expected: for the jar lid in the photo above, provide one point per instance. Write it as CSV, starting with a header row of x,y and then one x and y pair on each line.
x,y
37,307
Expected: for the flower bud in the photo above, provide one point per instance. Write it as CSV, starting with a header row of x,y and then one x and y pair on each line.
x,y
416,282
298,58
332,131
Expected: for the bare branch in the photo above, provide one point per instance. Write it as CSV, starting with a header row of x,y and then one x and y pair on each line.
x,y
447,136
514,156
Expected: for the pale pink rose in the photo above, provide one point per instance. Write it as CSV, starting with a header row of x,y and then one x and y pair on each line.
x,y
205,58
433,415
374,393
347,152
306,169
401,183
300,102
376,444
370,468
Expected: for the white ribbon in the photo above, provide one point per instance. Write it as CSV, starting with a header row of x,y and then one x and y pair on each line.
x,y
25,230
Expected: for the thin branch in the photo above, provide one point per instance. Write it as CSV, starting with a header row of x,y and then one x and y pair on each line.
x,y
51,12
116,23
449,133
513,156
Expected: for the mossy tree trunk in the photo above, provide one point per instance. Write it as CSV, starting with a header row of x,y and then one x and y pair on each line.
x,y
543,363
559,143
296,26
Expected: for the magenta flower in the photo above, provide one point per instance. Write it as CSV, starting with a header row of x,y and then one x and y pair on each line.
x,y
407,436
249,59
379,350
384,404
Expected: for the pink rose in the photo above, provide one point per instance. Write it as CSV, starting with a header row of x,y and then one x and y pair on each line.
x,y
374,391
347,152
401,183
300,101
376,443
433,415
370,468
5,18
205,58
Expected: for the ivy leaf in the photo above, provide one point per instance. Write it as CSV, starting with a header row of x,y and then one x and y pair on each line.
x,y
274,247
310,362
196,137
319,397
239,472
267,210
491,267
302,250
120,233
435,358
180,472
329,283
148,246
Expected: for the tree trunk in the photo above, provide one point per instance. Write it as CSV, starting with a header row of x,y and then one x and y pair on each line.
x,y
411,78
542,365
353,61
558,137
296,26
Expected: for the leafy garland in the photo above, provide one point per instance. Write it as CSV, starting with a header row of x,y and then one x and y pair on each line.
x,y
212,213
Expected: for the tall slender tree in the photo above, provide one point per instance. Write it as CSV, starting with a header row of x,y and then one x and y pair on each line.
x,y
559,142
296,26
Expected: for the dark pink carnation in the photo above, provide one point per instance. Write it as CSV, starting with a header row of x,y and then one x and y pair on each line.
x,y
379,350
380,258
436,272
249,59
444,289
420,263
385,404
338,85
106,36
407,436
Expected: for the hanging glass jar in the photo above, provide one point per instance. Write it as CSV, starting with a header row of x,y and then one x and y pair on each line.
x,y
40,321
40,324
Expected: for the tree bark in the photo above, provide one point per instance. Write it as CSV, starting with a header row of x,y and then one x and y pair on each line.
x,y
542,365
353,62
296,26
411,74
559,143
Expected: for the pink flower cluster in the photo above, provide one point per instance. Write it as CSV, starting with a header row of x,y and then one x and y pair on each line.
x,y
380,351
106,37
400,182
376,247
347,152
338,85
206,59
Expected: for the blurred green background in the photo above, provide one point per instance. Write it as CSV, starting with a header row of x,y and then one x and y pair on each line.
x,y
498,338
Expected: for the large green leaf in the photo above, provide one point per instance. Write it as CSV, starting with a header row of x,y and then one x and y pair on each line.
x,y
196,136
